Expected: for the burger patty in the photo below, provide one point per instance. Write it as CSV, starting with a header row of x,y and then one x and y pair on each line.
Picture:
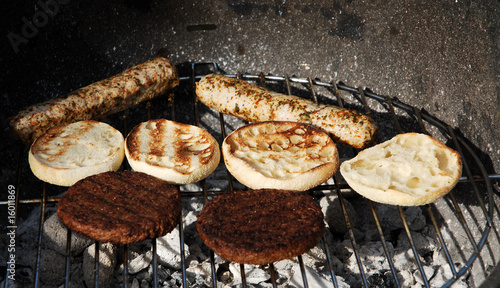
x,y
121,207
261,226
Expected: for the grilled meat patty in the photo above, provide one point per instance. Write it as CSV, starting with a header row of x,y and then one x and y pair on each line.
x,y
121,207
98,100
256,104
261,226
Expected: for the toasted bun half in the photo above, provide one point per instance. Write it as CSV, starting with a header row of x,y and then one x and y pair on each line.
x,y
67,153
280,155
175,152
409,170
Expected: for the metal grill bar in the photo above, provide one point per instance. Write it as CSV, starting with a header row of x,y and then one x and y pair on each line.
x,y
40,233
469,173
155,263
384,244
212,265
183,253
464,223
97,257
351,235
243,276
125,266
68,258
441,241
303,271
273,275
223,132
329,262
414,249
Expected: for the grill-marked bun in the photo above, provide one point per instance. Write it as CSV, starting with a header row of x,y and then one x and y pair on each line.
x,y
409,170
67,153
280,155
261,226
175,152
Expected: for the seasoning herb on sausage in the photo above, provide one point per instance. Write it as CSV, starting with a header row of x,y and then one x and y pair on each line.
x,y
256,104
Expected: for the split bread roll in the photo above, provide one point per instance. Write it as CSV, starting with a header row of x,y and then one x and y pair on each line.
x,y
409,170
67,153
280,155
175,152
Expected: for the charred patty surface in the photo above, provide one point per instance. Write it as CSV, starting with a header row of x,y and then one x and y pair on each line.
x,y
121,207
261,226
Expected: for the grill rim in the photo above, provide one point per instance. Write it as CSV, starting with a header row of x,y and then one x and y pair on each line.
x,y
361,93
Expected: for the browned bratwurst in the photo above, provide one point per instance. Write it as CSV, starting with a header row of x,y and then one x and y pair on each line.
x,y
98,100
256,104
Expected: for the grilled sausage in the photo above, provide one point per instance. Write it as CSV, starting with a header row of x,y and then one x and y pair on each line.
x,y
256,104
98,100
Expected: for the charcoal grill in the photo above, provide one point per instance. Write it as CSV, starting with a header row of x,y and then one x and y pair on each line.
x,y
393,116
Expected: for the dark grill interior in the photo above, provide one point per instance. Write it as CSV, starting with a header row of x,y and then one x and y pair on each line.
x,y
394,116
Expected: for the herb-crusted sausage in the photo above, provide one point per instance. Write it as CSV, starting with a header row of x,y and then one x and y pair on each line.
x,y
98,100
256,104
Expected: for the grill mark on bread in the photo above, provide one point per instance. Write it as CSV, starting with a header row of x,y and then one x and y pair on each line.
x,y
155,145
133,145
67,153
280,155
175,152
183,155
66,142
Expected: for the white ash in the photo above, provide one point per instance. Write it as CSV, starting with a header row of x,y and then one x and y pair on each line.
x,y
139,262
331,208
391,219
107,263
168,250
55,237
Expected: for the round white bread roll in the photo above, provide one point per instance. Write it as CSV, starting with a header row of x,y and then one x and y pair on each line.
x,y
410,169
175,152
67,153
280,155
